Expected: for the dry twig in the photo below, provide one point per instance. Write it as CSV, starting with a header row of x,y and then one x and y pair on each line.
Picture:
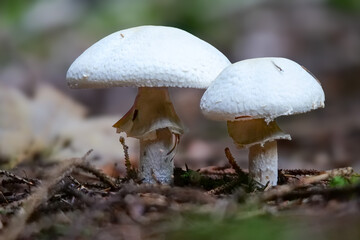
x,y
283,190
179,194
154,177
232,162
224,188
130,171
95,185
300,172
328,193
218,171
97,173
126,154
17,179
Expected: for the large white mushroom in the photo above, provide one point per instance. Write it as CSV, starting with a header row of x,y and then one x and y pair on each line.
x,y
249,95
151,58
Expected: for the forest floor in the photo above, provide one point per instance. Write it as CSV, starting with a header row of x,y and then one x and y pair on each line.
x,y
74,200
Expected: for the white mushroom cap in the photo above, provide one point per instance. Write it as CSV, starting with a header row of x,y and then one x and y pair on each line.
x,y
147,56
262,88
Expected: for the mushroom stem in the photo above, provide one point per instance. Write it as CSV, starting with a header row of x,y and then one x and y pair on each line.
x,y
260,137
153,120
263,163
156,157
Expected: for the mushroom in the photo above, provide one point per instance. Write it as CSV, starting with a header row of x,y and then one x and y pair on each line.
x,y
249,95
151,58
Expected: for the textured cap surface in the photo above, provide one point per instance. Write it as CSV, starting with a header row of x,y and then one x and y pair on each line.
x,y
262,88
147,56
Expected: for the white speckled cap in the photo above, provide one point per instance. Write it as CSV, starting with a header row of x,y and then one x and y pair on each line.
x,y
261,88
147,56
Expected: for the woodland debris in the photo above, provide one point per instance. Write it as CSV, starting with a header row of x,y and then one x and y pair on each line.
x,y
18,222
179,194
218,171
227,187
18,179
233,163
130,170
300,172
97,173
328,193
282,190
73,191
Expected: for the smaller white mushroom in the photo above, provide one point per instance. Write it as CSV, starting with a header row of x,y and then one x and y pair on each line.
x,y
249,95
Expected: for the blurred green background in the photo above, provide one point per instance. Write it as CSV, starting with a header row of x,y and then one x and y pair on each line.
x,y
39,39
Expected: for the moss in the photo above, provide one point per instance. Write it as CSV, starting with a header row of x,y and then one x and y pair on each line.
x,y
340,181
